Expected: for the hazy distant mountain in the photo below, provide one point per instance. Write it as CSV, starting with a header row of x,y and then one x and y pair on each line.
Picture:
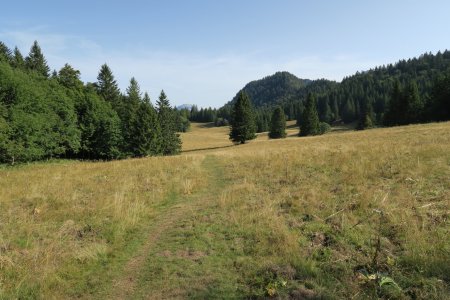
x,y
185,106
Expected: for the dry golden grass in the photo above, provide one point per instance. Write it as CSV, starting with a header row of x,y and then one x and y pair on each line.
x,y
302,210
61,218
205,136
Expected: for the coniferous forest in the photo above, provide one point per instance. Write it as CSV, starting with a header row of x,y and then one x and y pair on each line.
x,y
411,91
47,115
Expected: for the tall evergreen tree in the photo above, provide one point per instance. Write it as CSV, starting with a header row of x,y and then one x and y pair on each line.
x,y
36,61
170,139
107,86
128,114
324,110
278,124
366,119
243,125
394,114
439,104
146,139
413,104
310,119
5,53
17,60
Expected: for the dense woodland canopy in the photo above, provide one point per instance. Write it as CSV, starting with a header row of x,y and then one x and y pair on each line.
x,y
46,116
410,91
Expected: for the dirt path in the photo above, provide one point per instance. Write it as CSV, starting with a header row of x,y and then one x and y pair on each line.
x,y
125,286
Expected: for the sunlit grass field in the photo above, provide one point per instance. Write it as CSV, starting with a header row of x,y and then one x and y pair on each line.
x,y
346,215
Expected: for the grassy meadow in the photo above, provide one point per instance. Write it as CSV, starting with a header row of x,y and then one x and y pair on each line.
x,y
346,215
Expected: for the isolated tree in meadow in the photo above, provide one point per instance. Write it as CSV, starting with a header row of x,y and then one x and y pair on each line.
x,y
107,86
170,139
278,124
310,118
36,61
243,125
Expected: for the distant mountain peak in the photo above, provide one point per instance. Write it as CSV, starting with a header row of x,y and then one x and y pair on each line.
x,y
274,89
185,106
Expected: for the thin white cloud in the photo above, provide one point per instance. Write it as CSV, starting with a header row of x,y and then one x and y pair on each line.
x,y
186,78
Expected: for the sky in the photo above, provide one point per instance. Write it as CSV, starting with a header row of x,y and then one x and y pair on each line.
x,y
204,51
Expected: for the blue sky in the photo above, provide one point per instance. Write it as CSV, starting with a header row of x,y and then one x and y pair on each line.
x,y
203,52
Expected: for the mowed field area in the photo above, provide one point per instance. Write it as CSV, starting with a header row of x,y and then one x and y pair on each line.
x,y
346,215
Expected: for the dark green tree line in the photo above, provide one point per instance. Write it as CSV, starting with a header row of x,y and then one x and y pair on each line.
x,y
58,116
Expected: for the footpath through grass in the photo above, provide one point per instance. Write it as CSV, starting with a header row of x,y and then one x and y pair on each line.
x,y
186,254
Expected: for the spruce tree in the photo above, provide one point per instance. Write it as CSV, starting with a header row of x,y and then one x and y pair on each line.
x,y
366,119
107,86
413,104
278,124
36,61
17,60
5,53
439,104
394,114
310,119
170,139
243,125
128,114
147,131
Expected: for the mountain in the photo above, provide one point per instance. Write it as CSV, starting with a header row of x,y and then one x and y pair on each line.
x,y
367,92
274,89
184,106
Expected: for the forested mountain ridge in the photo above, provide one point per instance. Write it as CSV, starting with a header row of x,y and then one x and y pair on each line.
x,y
368,92
274,89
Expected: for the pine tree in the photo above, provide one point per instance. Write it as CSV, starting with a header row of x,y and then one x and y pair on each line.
x,y
107,86
278,124
243,126
36,61
310,119
170,139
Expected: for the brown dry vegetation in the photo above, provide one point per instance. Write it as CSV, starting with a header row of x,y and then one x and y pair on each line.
x,y
348,214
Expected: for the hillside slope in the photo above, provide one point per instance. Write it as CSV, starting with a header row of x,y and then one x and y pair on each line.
x,y
334,216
